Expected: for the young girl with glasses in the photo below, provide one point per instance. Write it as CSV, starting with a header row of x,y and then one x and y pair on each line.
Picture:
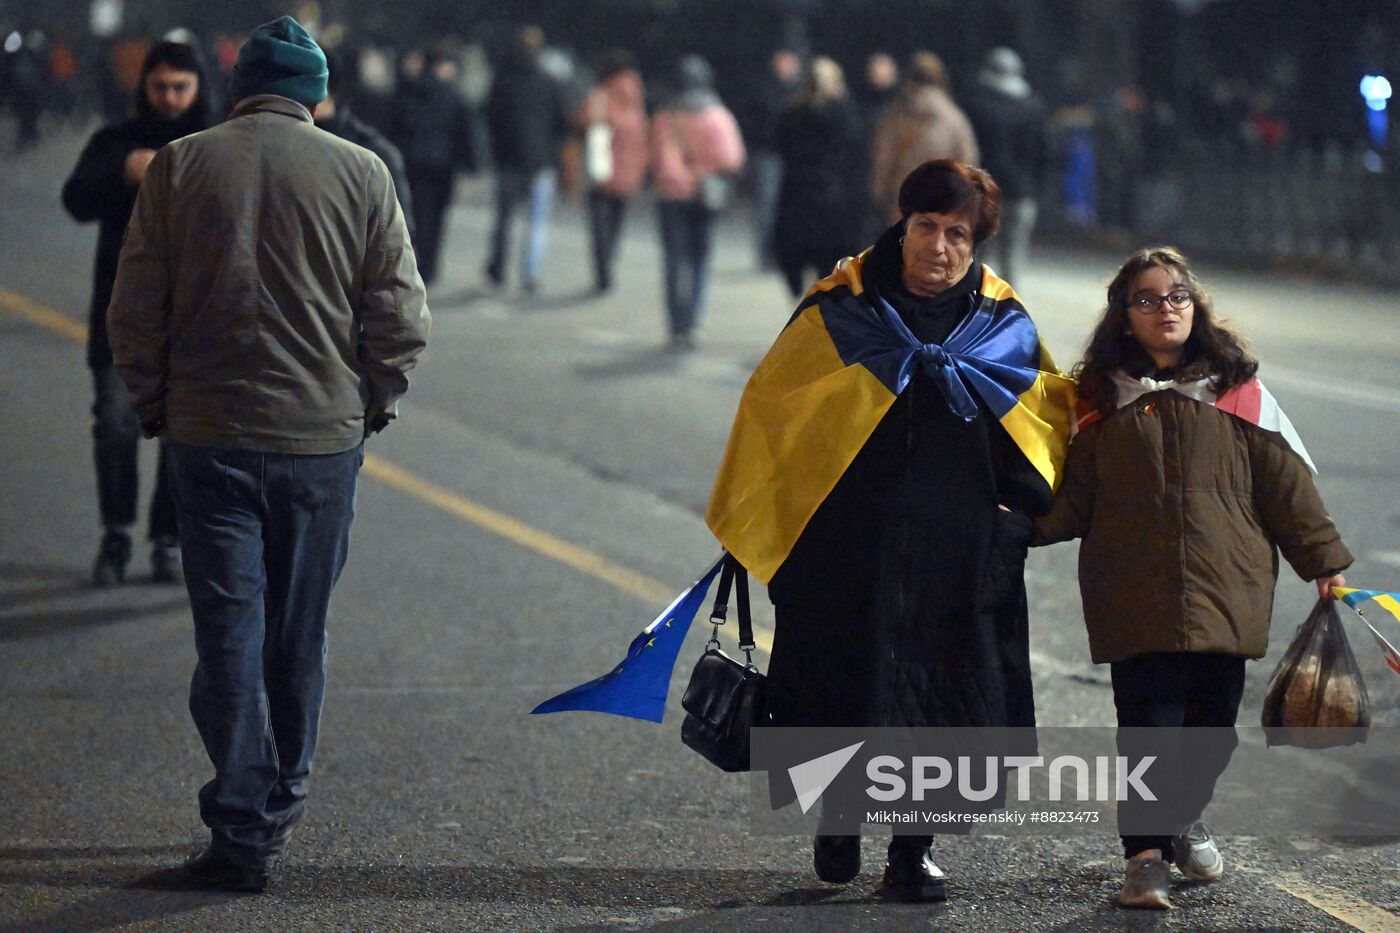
x,y
1182,480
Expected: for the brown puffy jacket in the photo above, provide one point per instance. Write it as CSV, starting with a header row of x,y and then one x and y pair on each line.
x,y
922,124
1181,506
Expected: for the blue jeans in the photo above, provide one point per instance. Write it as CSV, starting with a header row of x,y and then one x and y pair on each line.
x,y
537,191
686,235
263,538
766,168
1007,252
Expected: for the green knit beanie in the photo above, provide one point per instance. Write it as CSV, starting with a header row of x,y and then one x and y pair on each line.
x,y
281,58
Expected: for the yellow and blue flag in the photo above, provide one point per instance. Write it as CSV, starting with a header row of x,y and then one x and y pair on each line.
x,y
1390,602
637,687
834,372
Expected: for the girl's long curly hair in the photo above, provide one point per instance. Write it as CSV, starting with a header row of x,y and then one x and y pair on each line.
x,y
1213,349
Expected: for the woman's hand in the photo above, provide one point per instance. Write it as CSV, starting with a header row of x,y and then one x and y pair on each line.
x,y
1325,584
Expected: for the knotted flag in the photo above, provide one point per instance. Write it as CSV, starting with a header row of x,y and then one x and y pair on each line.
x,y
833,373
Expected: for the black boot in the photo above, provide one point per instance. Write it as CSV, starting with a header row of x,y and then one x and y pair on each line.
x,y
911,875
112,557
836,858
212,869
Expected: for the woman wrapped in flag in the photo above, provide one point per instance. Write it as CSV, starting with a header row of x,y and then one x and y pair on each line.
x,y
885,463
1185,480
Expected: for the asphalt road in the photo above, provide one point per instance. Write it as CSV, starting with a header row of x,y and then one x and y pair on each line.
x,y
537,503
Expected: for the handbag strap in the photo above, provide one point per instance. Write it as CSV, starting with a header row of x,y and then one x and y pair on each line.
x,y
733,573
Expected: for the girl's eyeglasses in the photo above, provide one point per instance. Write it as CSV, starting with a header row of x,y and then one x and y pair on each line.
x,y
1178,300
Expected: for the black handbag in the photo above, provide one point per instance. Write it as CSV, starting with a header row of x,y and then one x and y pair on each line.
x,y
724,698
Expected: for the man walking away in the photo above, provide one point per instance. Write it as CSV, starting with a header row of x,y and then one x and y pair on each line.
x,y
171,101
266,310
1009,121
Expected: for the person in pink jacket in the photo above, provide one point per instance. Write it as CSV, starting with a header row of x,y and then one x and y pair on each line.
x,y
613,117
696,149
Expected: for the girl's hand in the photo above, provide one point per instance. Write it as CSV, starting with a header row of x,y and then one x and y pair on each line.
x,y
1325,584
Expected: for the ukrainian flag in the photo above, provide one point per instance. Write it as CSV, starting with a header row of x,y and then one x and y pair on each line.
x,y
834,372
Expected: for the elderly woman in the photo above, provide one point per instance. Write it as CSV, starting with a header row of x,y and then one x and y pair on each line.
x,y
886,462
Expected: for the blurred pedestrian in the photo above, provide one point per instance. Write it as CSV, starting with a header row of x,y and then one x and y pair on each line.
x,y
529,120
266,310
28,78
1009,120
877,91
431,126
123,78
613,122
696,149
768,98
63,75
334,115
170,103
1183,463
922,124
822,201
878,88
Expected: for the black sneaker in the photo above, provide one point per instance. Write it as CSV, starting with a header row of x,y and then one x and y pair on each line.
x,y
211,869
165,562
911,875
112,557
836,858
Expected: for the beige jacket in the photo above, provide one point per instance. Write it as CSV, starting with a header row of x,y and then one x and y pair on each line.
x,y
922,124
1183,509
267,296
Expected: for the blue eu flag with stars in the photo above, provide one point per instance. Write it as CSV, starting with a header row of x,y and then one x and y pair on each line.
x,y
637,687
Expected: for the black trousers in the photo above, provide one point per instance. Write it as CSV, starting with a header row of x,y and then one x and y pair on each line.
x,y
1172,691
432,193
605,212
116,432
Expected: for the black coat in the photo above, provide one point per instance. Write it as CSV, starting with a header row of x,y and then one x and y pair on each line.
x,y
1011,139
903,602
823,190
528,117
98,190
431,124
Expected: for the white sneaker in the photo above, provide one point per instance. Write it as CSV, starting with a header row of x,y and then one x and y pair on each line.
x,y
1196,854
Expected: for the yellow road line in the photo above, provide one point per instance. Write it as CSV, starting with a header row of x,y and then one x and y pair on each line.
x,y
60,324
541,542
527,536
1350,910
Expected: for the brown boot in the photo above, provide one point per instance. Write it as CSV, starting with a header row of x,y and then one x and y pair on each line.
x,y
1145,882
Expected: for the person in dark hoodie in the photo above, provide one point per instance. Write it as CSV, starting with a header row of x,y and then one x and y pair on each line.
x,y
171,102
334,116
529,121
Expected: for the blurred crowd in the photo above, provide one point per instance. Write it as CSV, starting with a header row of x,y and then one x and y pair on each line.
x,y
812,146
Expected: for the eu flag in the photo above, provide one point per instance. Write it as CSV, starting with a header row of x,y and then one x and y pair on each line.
x,y
637,687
